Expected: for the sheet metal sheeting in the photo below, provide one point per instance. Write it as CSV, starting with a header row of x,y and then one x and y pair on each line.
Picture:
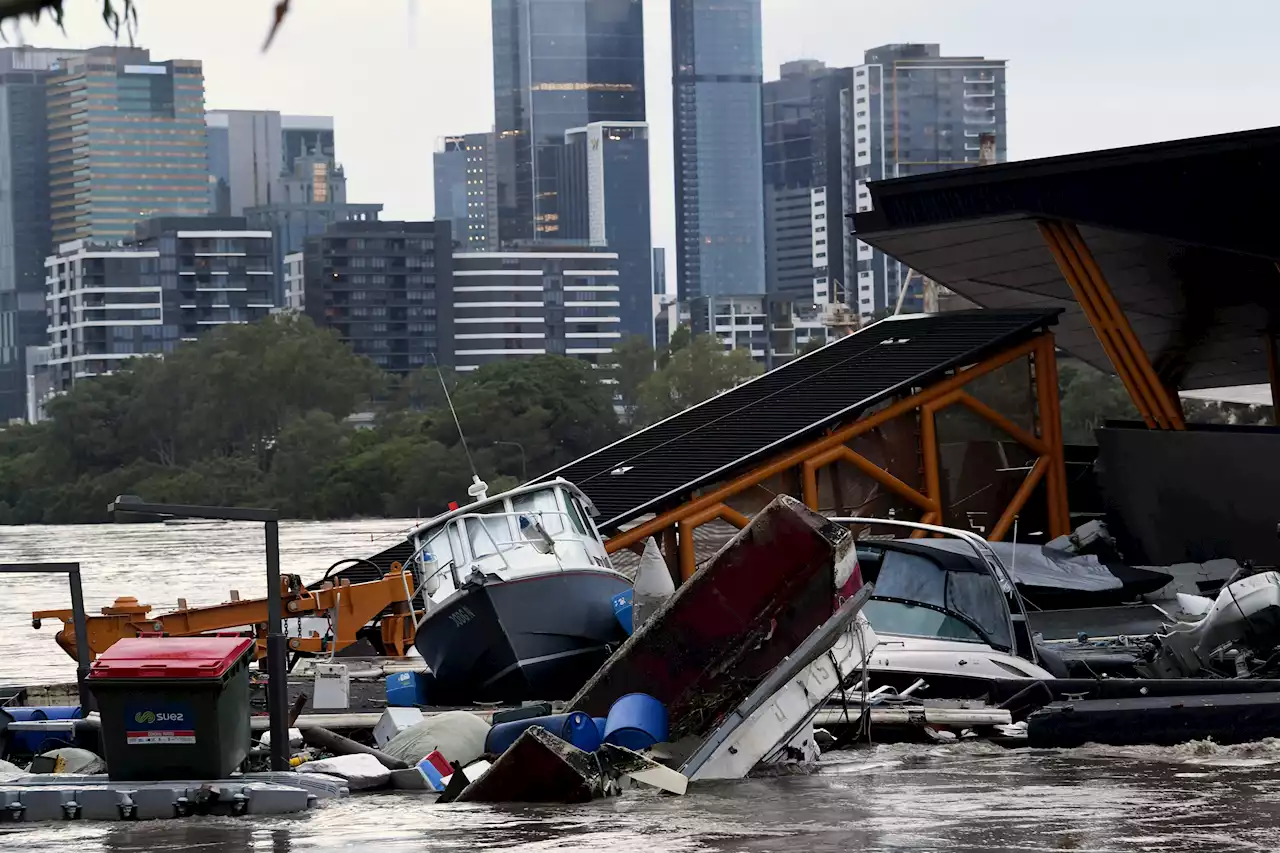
x,y
729,433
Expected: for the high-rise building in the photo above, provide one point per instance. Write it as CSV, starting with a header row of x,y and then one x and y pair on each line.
x,y
773,330
178,278
466,185
534,299
246,157
805,229
717,69
604,195
127,141
385,288
557,65
303,135
295,283
306,201
26,234
912,111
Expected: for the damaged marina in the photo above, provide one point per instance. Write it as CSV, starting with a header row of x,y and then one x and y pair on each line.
x,y
519,648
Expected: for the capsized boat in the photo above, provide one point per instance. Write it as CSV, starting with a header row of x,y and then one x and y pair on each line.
x,y
517,595
749,648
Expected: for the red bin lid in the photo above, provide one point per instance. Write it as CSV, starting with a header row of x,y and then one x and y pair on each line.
x,y
170,657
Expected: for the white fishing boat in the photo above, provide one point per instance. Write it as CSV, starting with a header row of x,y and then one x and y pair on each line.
x,y
518,593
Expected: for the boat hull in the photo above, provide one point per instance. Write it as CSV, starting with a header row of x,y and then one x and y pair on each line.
x,y
539,637
952,670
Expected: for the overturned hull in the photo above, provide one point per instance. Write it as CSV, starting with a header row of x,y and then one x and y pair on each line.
x,y
539,637
775,724
734,621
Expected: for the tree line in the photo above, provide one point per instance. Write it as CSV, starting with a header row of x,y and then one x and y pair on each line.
x,y
261,415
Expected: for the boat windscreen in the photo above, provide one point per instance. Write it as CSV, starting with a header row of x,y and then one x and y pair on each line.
x,y
972,595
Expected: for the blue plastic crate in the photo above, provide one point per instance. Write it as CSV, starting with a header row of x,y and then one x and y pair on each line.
x,y
407,689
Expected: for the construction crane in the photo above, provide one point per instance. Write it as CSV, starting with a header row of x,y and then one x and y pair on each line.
x,y
347,607
986,157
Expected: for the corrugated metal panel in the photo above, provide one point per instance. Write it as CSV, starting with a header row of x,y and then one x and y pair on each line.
x,y
729,433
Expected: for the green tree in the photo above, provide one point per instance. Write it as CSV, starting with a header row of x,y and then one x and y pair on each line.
x,y
631,363
680,339
1089,398
694,373
304,454
555,407
812,345
422,389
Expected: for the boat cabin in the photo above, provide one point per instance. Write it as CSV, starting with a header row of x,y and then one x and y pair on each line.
x,y
934,594
527,531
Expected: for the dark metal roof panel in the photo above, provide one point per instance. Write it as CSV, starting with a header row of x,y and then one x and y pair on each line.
x,y
728,433
1153,189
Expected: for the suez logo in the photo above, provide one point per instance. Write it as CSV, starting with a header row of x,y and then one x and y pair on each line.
x,y
148,717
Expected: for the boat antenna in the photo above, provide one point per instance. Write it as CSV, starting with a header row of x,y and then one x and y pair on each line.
x,y
456,422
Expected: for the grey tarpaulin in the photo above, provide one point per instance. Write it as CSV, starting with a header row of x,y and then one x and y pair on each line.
x,y
1034,565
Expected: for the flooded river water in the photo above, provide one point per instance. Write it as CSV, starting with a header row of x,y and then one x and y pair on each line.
x,y
958,798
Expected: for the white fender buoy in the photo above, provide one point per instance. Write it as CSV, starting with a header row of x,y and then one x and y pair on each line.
x,y
653,585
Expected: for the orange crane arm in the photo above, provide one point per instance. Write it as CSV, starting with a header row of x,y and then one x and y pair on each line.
x,y
349,606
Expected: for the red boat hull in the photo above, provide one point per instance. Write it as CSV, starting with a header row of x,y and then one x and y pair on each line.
x,y
734,621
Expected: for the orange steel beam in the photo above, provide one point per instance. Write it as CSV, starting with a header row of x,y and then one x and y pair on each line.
x,y
1020,498
1073,271
809,486
734,517
1128,360
929,518
1048,402
929,452
999,421
1167,403
688,558
871,469
796,458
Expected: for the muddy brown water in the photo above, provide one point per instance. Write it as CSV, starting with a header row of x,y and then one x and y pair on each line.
x,y
959,798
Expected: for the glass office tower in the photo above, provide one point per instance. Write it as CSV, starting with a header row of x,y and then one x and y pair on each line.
x,y
717,74
557,65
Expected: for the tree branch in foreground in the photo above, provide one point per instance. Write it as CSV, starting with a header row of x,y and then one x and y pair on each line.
x,y
115,14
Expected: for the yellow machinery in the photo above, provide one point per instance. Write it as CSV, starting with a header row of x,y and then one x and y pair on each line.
x,y
349,608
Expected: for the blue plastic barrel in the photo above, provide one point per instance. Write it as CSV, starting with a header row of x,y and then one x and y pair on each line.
x,y
636,721
601,722
26,743
622,610
59,712
576,728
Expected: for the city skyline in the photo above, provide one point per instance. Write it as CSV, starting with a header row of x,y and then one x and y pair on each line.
x,y
1063,93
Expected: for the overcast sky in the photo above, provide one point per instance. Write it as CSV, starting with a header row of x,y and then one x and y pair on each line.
x,y
1082,75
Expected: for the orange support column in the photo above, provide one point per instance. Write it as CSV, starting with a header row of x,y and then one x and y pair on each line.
x,y
932,468
688,559
1046,364
1167,405
1073,271
1020,498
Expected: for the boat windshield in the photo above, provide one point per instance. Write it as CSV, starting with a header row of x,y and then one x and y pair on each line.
x,y
974,597
917,620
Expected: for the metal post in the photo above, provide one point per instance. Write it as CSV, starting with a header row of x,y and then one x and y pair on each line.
x,y
78,618
277,663
81,624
